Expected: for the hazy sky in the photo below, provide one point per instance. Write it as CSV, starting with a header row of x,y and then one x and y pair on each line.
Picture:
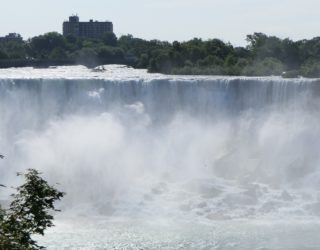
x,y
229,20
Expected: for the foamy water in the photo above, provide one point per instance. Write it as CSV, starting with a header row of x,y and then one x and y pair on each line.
x,y
150,161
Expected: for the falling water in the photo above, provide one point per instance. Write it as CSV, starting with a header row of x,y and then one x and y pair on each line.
x,y
144,157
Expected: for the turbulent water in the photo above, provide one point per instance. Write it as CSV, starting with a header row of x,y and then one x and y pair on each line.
x,y
167,162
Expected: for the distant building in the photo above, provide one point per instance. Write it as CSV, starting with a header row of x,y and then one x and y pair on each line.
x,y
11,37
91,29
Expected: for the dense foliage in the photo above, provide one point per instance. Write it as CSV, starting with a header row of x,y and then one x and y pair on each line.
x,y
28,213
263,55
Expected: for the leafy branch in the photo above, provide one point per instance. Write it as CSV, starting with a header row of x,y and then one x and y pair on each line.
x,y
29,212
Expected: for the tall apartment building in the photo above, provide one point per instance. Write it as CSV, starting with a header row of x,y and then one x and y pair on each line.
x,y
91,29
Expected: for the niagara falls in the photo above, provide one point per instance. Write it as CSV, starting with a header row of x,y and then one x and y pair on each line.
x,y
160,125
152,161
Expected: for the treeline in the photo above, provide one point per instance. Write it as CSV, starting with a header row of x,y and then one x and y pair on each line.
x,y
264,55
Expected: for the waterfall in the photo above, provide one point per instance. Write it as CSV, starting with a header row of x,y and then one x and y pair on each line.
x,y
208,147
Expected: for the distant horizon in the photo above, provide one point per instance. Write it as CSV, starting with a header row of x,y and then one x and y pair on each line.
x,y
170,20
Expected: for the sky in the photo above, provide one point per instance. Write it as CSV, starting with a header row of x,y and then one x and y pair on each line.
x,y
229,20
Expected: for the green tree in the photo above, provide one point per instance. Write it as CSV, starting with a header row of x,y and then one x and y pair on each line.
x,y
3,55
266,67
14,49
109,39
28,213
86,56
311,68
41,46
58,53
